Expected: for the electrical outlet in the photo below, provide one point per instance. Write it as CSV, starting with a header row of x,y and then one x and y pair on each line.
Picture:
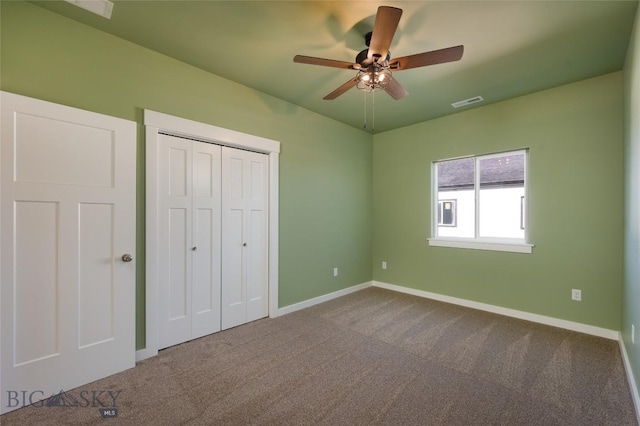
x,y
576,294
384,264
335,272
633,334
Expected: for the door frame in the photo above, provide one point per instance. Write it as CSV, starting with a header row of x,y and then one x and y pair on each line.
x,y
156,123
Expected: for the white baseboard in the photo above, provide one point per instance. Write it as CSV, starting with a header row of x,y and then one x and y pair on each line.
x,y
555,322
324,298
630,377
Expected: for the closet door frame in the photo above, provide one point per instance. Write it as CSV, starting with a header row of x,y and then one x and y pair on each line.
x,y
157,123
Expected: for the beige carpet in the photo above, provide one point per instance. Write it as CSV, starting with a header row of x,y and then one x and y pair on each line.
x,y
373,357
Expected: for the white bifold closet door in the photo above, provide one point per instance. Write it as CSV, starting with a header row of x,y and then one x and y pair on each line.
x,y
189,219
213,238
244,237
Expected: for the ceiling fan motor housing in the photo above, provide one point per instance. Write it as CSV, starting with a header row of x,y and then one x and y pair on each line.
x,y
362,56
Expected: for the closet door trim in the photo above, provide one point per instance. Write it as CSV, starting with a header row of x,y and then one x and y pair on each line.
x,y
157,123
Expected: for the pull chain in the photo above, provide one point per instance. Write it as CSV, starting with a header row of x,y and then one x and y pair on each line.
x,y
365,108
373,111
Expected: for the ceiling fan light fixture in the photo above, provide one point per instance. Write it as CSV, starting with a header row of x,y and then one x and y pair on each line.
x,y
373,79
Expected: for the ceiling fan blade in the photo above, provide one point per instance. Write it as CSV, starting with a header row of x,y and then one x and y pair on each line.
x,y
340,90
395,89
384,28
325,62
450,54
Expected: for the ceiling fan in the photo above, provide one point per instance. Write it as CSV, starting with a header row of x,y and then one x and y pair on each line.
x,y
374,65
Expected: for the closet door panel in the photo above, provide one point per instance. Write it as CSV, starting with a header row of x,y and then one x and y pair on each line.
x,y
178,265
234,308
207,174
175,220
206,237
257,226
256,276
233,286
244,247
258,188
234,184
203,269
179,155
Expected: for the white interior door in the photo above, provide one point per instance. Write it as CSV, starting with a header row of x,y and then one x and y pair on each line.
x,y
189,239
67,217
245,236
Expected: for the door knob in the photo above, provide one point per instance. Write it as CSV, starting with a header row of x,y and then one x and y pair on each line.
x,y
127,257
194,248
244,244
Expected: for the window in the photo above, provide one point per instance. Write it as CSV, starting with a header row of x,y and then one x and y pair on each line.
x,y
446,212
479,202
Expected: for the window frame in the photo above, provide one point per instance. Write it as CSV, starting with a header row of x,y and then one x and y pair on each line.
x,y
516,245
522,211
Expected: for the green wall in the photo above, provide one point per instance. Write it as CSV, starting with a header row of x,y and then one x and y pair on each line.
x,y
631,284
341,196
575,137
325,166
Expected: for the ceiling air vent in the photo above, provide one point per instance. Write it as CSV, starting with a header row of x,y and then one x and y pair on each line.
x,y
466,102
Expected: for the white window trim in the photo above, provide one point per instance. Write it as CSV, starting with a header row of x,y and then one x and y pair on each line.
x,y
479,243
468,243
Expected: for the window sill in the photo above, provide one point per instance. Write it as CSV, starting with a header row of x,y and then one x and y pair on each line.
x,y
481,245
